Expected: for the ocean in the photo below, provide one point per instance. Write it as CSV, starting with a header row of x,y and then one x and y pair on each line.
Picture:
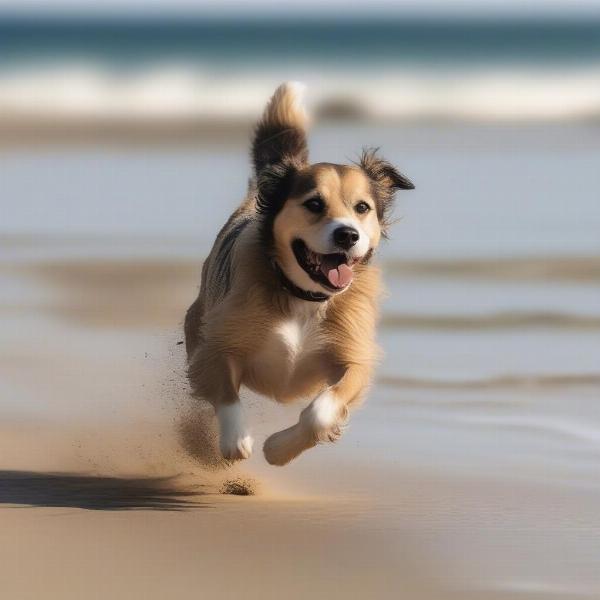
x,y
339,43
394,69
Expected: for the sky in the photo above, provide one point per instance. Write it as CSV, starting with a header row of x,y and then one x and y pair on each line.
x,y
262,8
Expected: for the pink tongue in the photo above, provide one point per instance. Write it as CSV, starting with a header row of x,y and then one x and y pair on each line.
x,y
341,276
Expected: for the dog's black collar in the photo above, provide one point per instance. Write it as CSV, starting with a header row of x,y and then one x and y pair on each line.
x,y
292,288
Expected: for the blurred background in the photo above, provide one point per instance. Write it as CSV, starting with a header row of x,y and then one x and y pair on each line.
x,y
124,133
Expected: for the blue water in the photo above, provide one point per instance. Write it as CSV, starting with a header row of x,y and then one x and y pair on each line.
x,y
346,44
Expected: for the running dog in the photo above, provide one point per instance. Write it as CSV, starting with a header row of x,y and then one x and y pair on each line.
x,y
289,298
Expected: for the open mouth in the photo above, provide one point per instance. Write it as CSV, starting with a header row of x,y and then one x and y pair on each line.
x,y
332,271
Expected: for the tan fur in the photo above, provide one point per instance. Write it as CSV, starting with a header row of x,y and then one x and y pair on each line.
x,y
246,329
341,192
285,107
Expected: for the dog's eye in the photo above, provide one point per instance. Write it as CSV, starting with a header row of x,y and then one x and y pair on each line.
x,y
315,205
362,207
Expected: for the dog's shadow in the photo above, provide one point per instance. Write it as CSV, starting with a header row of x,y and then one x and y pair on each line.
x,y
67,490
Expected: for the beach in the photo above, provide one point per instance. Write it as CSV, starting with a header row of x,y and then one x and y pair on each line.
x,y
471,471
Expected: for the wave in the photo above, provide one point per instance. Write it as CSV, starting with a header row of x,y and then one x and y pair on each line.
x,y
189,92
500,320
499,382
577,269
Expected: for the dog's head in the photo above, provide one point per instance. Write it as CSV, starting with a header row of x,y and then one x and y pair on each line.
x,y
319,221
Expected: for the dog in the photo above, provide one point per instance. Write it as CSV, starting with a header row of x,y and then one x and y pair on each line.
x,y
288,299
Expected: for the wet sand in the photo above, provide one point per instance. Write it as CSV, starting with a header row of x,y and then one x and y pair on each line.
x,y
110,485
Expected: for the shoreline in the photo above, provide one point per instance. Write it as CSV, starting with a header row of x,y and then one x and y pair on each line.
x,y
39,130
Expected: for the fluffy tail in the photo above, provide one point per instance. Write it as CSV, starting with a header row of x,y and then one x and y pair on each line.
x,y
280,135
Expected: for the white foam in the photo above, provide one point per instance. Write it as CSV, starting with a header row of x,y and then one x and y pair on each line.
x,y
180,91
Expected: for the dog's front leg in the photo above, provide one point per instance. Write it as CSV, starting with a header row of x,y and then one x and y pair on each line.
x,y
235,441
322,420
217,379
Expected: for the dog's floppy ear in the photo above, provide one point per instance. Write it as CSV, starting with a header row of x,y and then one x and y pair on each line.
x,y
386,180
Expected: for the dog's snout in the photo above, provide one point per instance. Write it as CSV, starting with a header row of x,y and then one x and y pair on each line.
x,y
345,237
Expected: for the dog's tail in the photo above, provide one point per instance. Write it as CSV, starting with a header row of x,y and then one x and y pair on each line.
x,y
280,135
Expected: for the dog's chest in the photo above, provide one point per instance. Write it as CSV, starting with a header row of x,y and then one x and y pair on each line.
x,y
288,359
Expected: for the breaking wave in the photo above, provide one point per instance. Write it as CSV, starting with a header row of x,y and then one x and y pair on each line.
x,y
189,92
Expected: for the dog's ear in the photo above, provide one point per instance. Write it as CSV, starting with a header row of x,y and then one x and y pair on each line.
x,y
386,180
382,172
280,135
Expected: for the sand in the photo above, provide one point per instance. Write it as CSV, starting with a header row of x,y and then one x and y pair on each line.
x,y
111,485
470,473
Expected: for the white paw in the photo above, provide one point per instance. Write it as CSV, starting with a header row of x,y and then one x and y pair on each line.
x,y
332,434
324,418
237,448
234,440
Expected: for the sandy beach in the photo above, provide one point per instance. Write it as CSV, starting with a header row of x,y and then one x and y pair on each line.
x,y
109,486
471,472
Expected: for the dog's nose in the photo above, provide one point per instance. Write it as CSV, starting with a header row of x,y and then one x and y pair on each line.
x,y
345,237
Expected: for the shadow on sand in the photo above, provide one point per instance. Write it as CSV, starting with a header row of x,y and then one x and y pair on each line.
x,y
96,492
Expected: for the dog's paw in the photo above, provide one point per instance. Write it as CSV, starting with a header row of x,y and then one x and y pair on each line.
x,y
282,447
333,434
237,448
324,418
234,440
277,449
